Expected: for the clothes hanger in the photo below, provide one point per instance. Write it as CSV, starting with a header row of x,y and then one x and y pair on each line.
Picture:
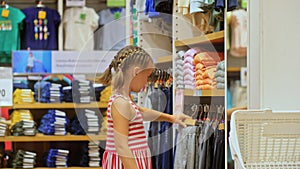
x,y
39,4
4,4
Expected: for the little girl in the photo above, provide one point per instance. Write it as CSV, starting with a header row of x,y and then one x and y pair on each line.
x,y
126,144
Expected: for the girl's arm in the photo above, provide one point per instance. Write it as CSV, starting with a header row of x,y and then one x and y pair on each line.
x,y
153,115
121,130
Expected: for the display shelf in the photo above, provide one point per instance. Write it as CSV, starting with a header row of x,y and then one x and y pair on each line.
x,y
164,59
194,92
216,37
60,105
66,167
39,137
233,69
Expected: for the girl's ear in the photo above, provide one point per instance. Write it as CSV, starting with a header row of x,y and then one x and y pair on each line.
x,y
136,70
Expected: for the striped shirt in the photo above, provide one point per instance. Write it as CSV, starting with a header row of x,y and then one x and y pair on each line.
x,y
137,141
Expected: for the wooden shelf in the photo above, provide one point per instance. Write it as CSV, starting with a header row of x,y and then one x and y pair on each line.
x,y
233,69
66,167
39,137
60,105
194,92
216,37
164,59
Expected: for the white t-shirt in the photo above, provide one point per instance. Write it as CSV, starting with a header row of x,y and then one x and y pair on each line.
x,y
30,61
79,25
112,34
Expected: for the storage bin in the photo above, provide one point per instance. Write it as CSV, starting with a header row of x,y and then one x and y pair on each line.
x,y
264,139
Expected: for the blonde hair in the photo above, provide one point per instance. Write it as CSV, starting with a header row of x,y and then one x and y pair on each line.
x,y
124,59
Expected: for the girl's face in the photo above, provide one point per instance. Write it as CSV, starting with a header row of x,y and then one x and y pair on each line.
x,y
140,79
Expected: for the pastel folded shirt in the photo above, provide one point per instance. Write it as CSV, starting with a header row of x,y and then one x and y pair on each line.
x,y
191,53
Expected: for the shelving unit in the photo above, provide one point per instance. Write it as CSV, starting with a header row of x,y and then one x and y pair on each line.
x,y
164,59
60,105
214,92
214,38
233,69
41,137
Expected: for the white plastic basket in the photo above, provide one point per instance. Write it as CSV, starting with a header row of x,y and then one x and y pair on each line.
x,y
265,139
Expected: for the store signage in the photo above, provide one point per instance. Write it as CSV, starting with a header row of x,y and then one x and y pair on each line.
x,y
70,3
81,62
45,62
6,87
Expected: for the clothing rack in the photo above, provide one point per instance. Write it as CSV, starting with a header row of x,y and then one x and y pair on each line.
x,y
201,145
160,77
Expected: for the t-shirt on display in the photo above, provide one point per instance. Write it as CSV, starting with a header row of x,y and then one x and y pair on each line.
x,y
79,26
40,28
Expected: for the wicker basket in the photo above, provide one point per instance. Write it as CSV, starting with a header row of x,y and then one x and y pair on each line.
x,y
264,139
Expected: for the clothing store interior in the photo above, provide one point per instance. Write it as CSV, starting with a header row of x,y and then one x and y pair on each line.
x,y
217,61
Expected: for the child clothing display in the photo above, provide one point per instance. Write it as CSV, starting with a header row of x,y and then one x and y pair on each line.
x,y
79,27
40,28
112,34
220,75
10,25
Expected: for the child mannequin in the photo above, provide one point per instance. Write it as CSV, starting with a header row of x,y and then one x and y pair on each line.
x,y
126,145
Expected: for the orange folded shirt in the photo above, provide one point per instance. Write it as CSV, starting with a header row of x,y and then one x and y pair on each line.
x,y
204,87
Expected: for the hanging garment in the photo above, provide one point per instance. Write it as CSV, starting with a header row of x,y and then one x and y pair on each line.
x,y
10,33
79,27
238,23
40,33
112,34
166,135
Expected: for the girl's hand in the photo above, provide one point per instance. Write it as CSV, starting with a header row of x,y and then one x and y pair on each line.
x,y
179,119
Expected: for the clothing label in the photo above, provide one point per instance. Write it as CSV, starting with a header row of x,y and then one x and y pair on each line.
x,y
5,13
83,16
117,15
6,86
42,14
5,25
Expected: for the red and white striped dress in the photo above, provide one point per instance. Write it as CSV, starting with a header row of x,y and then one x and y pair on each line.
x,y
137,141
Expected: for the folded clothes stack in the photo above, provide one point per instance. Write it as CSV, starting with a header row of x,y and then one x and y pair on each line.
x,y
22,123
54,122
57,158
82,91
22,96
94,155
220,75
205,71
3,126
42,91
179,70
89,121
67,94
189,69
56,95
105,94
24,159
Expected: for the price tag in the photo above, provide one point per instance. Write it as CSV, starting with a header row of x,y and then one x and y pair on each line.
x,y
5,13
6,86
197,92
42,15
